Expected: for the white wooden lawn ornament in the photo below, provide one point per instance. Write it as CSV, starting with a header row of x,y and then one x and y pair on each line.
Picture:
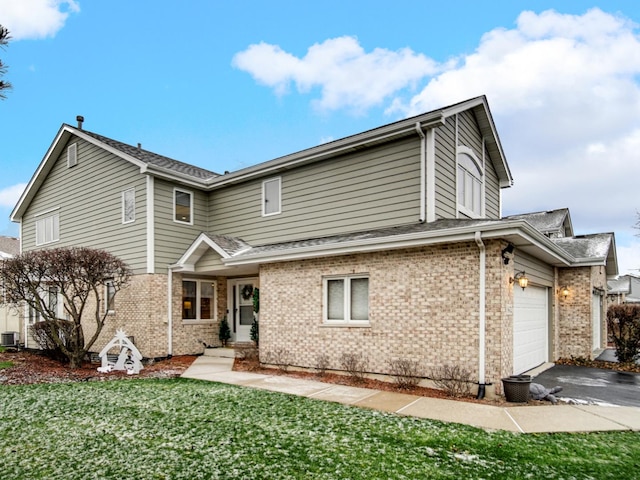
x,y
129,358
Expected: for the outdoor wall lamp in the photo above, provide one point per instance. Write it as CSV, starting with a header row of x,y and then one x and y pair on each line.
x,y
521,278
564,291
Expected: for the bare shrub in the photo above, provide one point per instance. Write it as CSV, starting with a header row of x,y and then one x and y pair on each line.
x,y
623,323
454,380
406,373
45,333
280,357
355,364
322,363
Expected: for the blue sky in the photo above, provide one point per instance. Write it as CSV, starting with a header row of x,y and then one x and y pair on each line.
x,y
224,85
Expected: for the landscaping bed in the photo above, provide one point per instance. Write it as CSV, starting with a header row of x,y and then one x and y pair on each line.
x,y
27,367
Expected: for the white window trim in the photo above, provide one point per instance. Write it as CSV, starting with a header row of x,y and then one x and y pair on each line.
x,y
197,320
181,190
264,196
347,321
463,150
40,217
124,197
72,155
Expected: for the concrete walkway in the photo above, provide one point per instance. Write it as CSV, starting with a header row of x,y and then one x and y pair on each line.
x,y
524,419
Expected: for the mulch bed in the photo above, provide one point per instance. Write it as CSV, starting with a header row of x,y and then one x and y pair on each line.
x,y
31,367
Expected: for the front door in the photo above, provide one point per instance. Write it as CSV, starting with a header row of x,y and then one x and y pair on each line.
x,y
241,307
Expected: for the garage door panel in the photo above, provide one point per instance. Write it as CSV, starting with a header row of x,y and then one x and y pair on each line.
x,y
530,327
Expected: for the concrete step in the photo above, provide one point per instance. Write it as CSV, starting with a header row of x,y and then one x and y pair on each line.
x,y
220,352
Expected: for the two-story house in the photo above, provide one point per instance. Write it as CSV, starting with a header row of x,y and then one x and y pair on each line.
x,y
388,243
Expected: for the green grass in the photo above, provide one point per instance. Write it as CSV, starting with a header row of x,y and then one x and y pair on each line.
x,y
6,365
189,429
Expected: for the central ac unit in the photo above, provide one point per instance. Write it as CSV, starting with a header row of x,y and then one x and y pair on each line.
x,y
10,339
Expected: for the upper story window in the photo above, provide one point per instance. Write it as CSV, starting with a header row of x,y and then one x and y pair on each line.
x,y
346,299
470,183
182,206
271,196
72,155
47,228
129,205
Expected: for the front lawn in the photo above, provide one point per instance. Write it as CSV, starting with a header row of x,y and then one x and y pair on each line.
x,y
189,429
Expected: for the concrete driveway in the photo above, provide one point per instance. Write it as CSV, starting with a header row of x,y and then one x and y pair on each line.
x,y
593,385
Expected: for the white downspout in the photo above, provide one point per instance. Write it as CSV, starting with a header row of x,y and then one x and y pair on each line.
x,y
169,311
423,173
482,314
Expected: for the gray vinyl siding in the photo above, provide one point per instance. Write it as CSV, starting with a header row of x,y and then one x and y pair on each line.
x,y
446,197
373,188
88,198
173,238
209,261
469,135
538,272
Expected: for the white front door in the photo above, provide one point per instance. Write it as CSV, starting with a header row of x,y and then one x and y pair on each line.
x,y
241,307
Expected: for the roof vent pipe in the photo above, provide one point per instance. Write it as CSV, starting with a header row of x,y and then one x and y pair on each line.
x,y
139,146
80,119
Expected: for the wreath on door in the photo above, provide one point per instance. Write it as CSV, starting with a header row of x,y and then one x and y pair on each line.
x,y
247,292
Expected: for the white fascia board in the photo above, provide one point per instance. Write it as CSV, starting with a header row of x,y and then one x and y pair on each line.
x,y
191,256
37,178
517,228
138,163
337,147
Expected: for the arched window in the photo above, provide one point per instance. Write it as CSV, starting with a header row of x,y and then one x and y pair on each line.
x,y
470,180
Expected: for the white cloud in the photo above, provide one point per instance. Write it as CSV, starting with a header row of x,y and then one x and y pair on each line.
x,y
629,258
9,196
347,76
34,19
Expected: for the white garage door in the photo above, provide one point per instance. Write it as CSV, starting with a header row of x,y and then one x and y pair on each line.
x,y
530,324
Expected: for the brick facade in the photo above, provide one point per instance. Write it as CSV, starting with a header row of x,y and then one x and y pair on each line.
x,y
575,313
423,306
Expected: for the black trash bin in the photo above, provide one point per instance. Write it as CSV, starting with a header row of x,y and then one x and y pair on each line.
x,y
516,388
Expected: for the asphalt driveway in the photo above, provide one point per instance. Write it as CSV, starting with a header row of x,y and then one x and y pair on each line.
x,y
593,385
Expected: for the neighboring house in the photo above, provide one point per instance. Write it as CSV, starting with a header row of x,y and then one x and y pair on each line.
x,y
624,289
388,243
10,325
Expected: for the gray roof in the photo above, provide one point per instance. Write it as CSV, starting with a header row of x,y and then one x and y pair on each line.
x,y
545,222
231,245
152,158
438,225
9,247
586,246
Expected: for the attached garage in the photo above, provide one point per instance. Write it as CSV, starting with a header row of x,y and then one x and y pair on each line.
x,y
530,327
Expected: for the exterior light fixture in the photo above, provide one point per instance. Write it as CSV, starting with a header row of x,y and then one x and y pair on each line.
x,y
564,291
521,278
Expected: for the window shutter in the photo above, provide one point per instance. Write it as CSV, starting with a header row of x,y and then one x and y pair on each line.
x,y
72,155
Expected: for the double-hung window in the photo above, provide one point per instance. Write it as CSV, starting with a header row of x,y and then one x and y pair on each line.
x,y
346,299
47,228
470,183
198,300
182,206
